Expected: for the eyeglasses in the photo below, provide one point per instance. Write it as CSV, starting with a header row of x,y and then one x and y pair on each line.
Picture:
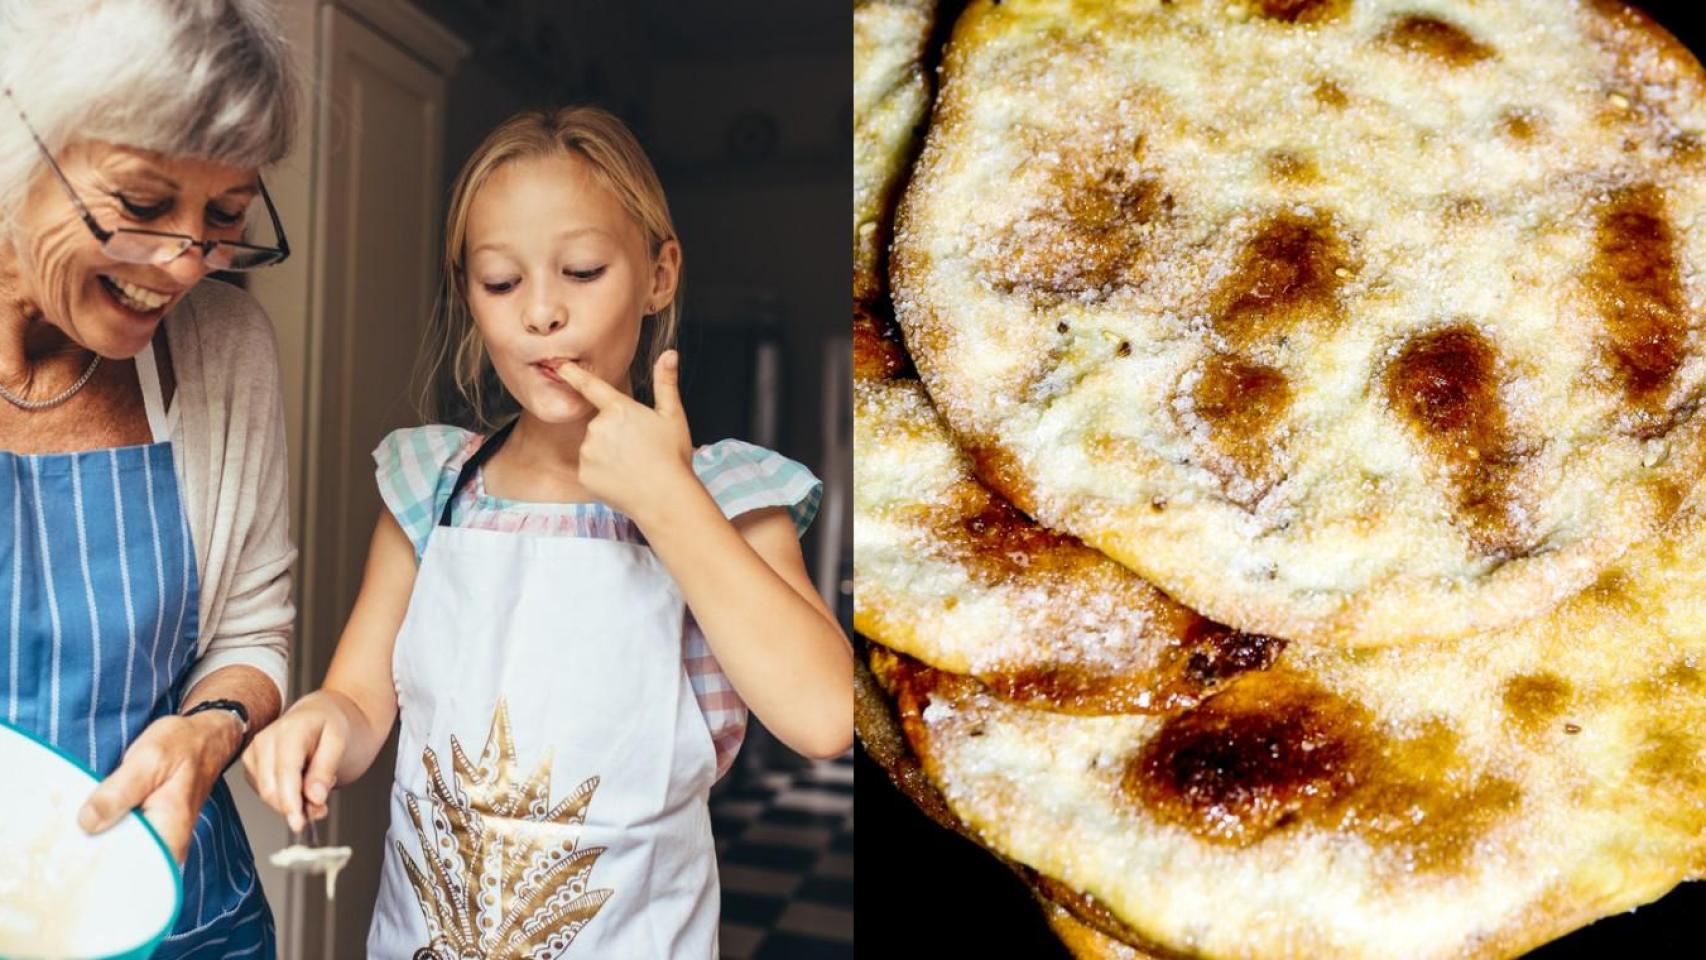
x,y
155,247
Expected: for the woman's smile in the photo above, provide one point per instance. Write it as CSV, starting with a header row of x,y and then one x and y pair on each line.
x,y
136,301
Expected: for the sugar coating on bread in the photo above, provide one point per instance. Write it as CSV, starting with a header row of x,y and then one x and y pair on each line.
x,y
1348,321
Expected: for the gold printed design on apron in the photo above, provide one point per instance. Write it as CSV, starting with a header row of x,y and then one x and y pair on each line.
x,y
501,880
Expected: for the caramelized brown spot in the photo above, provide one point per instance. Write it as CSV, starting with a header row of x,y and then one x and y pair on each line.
x,y
1289,272
1634,283
1001,543
1068,687
1330,94
1090,689
879,352
1432,37
1681,675
1611,589
1463,209
1218,653
1243,403
1181,658
1519,124
1108,200
999,470
1680,680
1667,495
1086,244
1286,273
1533,700
1245,763
1302,11
1672,759
1444,384
1273,753
1434,824
1686,148
1240,400
1287,166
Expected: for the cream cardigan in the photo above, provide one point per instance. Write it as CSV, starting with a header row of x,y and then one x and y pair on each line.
x,y
228,441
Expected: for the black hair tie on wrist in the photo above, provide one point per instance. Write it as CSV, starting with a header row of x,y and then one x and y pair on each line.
x,y
233,707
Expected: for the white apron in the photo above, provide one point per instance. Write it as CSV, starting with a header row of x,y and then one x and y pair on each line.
x,y
553,764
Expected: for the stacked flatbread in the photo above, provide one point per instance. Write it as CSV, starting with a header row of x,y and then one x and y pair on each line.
x,y
1276,528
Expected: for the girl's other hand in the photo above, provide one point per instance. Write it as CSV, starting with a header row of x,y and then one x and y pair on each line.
x,y
634,457
292,764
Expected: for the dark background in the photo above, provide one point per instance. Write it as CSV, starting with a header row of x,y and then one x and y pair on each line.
x,y
923,891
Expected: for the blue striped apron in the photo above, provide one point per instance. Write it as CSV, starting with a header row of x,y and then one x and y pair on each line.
x,y
98,618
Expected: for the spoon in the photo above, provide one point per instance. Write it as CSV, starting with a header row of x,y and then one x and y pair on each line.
x,y
313,858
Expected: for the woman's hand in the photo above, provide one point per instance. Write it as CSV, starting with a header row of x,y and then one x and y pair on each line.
x,y
635,457
296,758
169,771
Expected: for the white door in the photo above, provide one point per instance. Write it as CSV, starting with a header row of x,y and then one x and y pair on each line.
x,y
377,216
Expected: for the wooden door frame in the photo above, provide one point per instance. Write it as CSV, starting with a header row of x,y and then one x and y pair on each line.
x,y
294,296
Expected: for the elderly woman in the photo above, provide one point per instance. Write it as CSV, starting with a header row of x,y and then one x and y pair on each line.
x,y
144,548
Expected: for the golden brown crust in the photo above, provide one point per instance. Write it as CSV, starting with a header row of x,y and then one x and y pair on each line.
x,y
952,573
1557,777
1353,769
878,350
1102,333
891,90
885,742
1095,927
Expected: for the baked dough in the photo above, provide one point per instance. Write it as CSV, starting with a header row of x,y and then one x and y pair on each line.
x,y
1347,321
1453,800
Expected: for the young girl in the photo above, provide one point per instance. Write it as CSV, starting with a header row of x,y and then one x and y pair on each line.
x,y
570,612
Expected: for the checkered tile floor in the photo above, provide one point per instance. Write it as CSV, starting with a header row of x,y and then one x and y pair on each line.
x,y
785,851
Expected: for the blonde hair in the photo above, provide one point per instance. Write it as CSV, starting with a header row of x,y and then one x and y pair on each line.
x,y
618,162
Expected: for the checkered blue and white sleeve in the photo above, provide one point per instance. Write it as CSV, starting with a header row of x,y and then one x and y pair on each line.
x,y
409,466
743,477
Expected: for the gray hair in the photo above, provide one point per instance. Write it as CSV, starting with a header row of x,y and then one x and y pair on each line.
x,y
195,78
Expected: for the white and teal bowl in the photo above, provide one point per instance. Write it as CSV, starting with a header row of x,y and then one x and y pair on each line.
x,y
65,895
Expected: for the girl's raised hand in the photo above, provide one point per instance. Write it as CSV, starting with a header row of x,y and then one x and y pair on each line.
x,y
635,458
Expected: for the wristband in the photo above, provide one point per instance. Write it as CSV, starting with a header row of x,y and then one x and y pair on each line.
x,y
236,709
